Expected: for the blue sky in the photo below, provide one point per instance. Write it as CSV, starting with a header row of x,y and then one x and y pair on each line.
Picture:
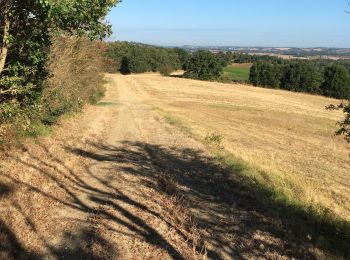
x,y
286,23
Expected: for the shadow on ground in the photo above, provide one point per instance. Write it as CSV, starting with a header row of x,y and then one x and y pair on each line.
x,y
230,212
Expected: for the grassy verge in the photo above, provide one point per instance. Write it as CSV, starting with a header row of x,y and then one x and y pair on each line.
x,y
311,222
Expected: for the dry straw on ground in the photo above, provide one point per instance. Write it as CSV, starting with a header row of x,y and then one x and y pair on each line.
x,y
288,135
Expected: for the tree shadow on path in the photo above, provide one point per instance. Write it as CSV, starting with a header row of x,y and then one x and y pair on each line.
x,y
78,244
231,211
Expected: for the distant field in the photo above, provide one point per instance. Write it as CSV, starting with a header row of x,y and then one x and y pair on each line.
x,y
288,136
237,72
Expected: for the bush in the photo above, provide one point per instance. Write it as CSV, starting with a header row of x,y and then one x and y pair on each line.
x,y
25,36
165,70
75,66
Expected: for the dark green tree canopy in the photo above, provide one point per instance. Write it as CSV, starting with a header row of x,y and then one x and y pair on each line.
x,y
204,65
336,82
265,73
183,56
301,77
129,57
325,77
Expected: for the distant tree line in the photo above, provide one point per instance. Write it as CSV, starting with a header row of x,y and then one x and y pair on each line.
x,y
324,77
330,79
127,58
239,57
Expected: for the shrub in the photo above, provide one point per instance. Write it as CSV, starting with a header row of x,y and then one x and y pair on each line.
x,y
75,66
25,37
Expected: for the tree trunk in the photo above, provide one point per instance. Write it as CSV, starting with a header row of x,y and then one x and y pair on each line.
x,y
4,47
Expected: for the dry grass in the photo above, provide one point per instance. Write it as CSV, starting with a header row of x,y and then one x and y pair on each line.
x,y
34,183
47,192
290,136
75,66
176,211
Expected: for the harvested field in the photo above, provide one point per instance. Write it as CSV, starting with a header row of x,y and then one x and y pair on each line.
x,y
288,135
137,177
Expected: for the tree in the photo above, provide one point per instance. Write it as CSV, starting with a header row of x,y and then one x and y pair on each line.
x,y
183,57
336,82
225,58
265,74
25,30
139,60
204,65
254,74
301,76
125,67
130,57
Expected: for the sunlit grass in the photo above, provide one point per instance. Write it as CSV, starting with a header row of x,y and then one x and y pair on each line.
x,y
237,72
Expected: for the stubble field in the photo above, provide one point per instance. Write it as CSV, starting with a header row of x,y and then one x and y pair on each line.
x,y
287,139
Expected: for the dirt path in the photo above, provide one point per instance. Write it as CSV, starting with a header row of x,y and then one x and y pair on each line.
x,y
126,180
120,183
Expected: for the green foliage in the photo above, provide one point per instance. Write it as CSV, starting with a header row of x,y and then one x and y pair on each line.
x,y
329,78
301,77
26,29
204,65
265,74
315,77
31,23
225,58
247,58
129,58
336,82
52,112
183,57
139,58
